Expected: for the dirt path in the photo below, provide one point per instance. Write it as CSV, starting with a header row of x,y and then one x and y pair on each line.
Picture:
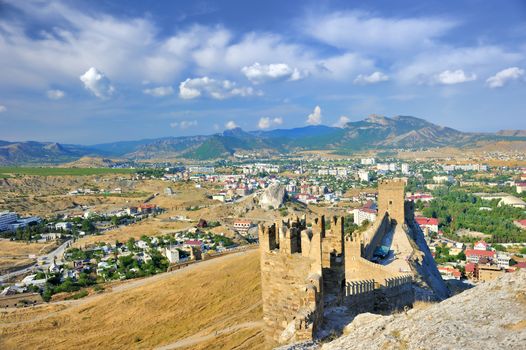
x,y
200,337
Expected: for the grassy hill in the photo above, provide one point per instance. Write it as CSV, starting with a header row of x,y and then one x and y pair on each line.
x,y
211,305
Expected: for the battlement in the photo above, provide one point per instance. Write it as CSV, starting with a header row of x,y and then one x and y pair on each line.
x,y
391,199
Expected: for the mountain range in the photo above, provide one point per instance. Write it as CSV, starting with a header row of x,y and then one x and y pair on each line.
x,y
374,132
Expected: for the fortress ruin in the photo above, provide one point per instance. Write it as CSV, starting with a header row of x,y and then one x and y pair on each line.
x,y
308,267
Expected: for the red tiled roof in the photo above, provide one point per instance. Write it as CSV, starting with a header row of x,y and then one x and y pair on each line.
x,y
193,242
521,222
470,267
426,221
486,253
520,265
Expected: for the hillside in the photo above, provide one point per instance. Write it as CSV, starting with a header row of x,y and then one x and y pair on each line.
x,y
491,315
374,132
211,305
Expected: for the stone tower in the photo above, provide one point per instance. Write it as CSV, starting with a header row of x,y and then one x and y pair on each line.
x,y
292,283
391,199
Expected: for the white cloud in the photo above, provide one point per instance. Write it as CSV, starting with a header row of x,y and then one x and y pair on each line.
x,y
449,77
423,68
230,125
342,121
3,108
373,78
315,117
267,122
183,124
216,89
361,29
342,66
160,91
259,73
55,94
96,82
504,76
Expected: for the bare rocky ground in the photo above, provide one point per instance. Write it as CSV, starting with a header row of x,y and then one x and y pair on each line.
x,y
491,315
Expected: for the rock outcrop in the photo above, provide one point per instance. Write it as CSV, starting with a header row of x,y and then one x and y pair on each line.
x,y
491,315
273,196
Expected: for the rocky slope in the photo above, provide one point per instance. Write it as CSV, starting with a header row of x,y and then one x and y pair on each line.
x,y
491,315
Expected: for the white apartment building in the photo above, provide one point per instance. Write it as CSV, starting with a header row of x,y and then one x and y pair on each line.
x,y
368,161
363,175
362,214
6,218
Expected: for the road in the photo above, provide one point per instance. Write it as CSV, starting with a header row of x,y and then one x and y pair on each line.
x,y
57,252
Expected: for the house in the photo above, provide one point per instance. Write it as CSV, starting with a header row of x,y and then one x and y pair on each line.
x,y
172,254
503,260
141,244
431,224
480,245
147,208
475,255
520,224
242,226
423,197
520,187
449,272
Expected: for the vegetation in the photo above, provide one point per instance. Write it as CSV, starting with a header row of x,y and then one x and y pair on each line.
x,y
457,209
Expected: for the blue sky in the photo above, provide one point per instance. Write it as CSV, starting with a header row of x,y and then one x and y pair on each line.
x,y
99,71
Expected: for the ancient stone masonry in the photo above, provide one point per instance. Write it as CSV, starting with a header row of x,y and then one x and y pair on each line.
x,y
291,276
306,268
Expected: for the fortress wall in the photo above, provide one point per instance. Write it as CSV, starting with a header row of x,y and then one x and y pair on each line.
x,y
292,284
373,237
332,256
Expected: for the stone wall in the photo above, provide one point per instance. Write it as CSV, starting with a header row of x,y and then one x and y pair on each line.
x,y
292,284
391,199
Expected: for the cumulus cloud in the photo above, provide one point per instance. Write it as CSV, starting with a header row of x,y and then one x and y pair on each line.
x,y
216,89
259,73
315,117
55,94
96,82
342,121
354,29
3,108
230,125
183,124
160,91
373,78
424,67
449,77
504,76
267,122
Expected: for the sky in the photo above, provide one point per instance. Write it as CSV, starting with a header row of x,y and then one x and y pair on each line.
x,y
89,72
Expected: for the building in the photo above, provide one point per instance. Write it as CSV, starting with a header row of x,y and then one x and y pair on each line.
x,y
475,255
423,197
430,224
442,179
520,187
488,272
242,226
65,226
172,254
23,223
405,168
368,161
363,175
449,273
368,212
6,218
480,245
520,224
503,260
